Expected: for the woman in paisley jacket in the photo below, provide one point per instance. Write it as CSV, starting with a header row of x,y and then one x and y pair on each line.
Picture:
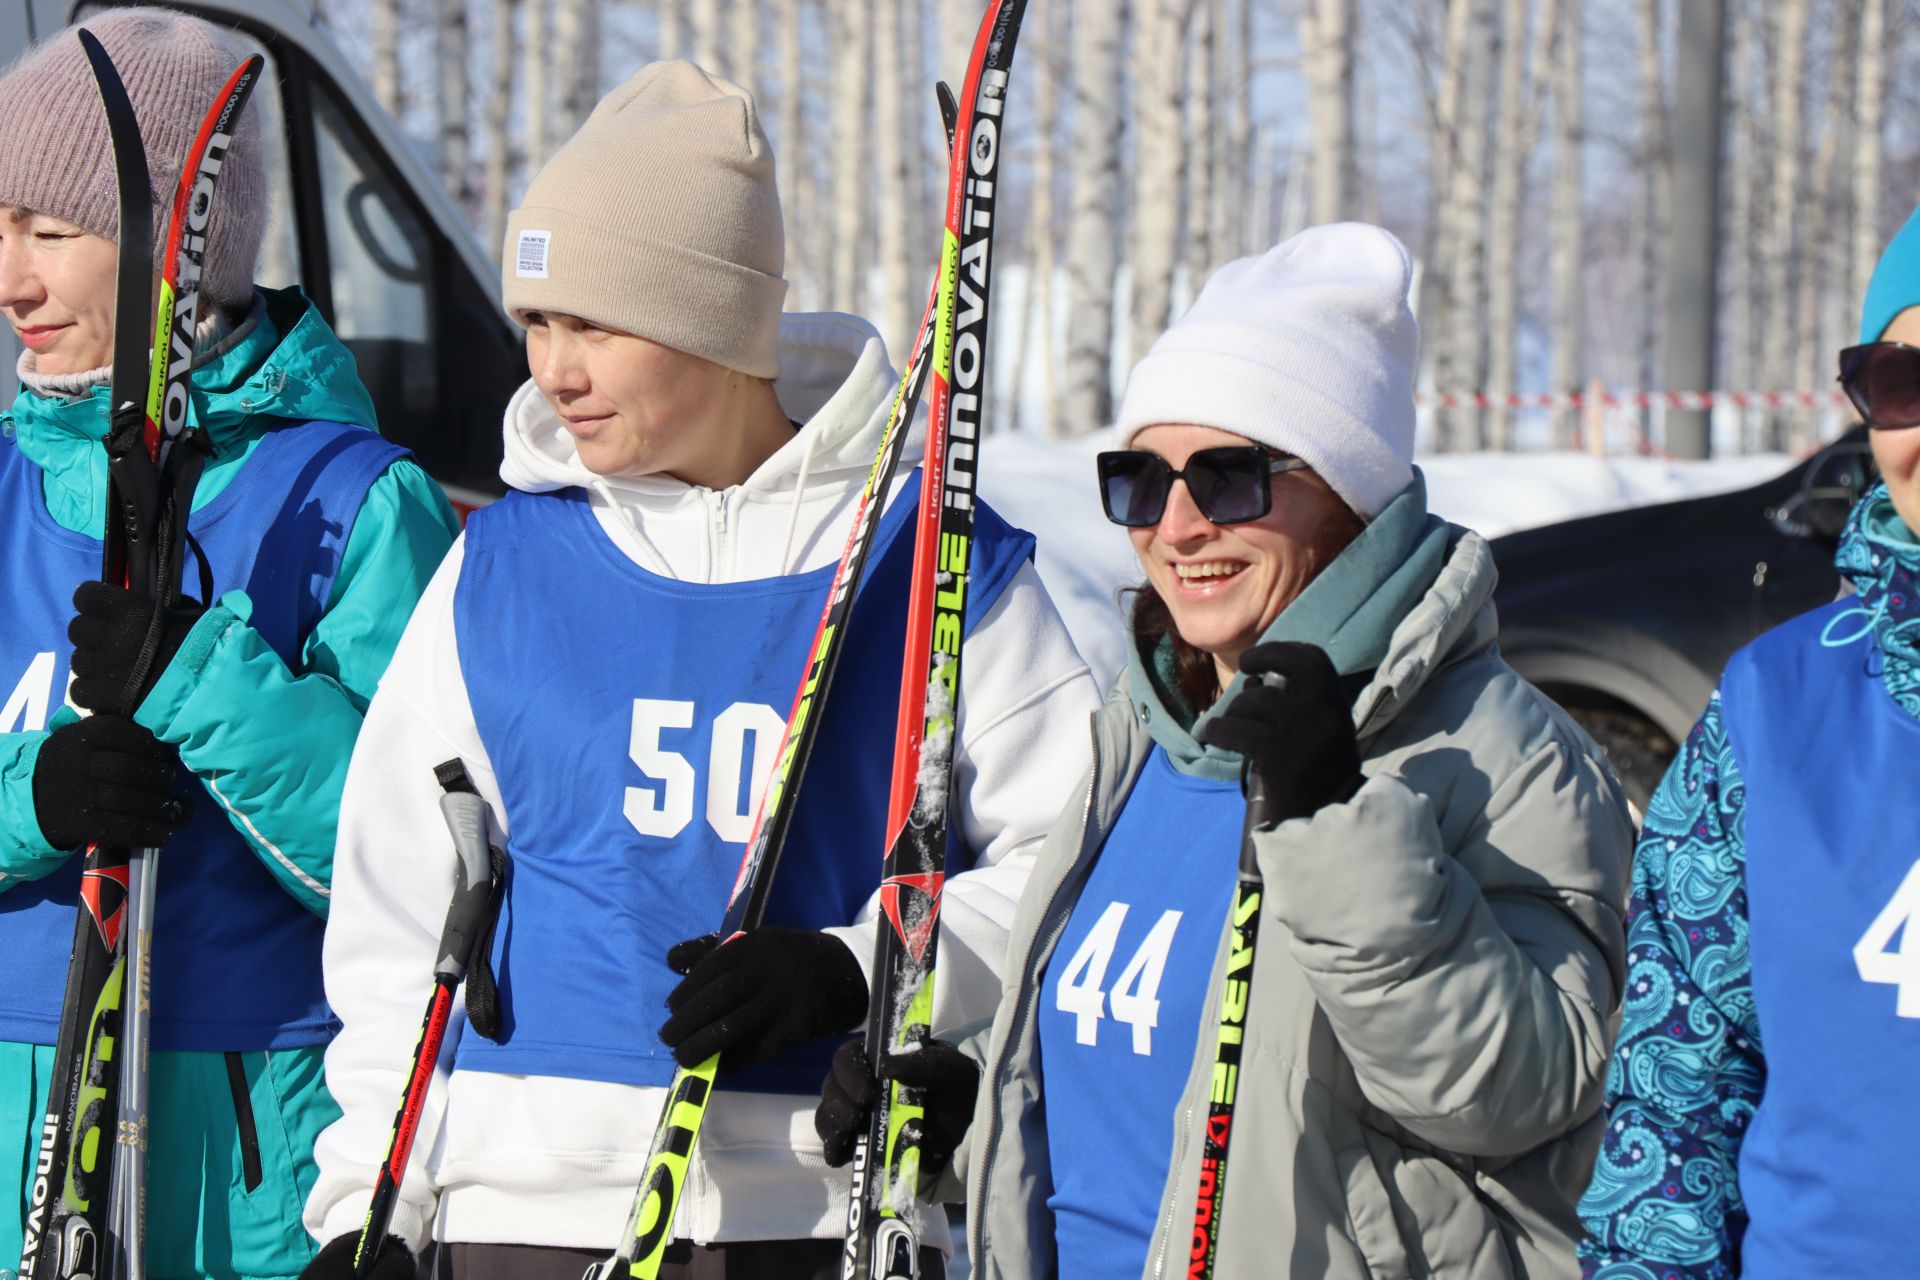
x,y
1761,1117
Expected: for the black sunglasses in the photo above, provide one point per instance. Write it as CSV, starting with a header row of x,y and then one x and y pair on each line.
x,y
1229,484
1883,381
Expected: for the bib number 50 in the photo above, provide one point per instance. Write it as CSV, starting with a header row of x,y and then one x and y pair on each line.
x,y
664,808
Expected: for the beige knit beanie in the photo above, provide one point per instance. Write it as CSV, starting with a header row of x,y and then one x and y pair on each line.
x,y
55,157
661,218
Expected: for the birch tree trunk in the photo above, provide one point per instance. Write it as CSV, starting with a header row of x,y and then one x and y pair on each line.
x,y
888,75
1326,43
534,63
1654,204
1568,227
674,39
1040,252
707,36
386,55
499,128
1817,268
1789,88
1460,346
796,173
959,22
451,44
1743,248
1522,71
1869,120
1443,150
1093,228
575,50
1159,59
1225,232
743,39
1201,144
853,50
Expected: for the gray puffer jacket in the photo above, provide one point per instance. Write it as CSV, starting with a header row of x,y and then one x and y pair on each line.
x,y
1435,993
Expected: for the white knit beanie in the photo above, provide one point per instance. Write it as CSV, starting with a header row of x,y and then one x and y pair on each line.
x,y
1310,348
660,218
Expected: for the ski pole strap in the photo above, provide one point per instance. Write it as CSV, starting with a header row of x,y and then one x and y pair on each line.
x,y
466,940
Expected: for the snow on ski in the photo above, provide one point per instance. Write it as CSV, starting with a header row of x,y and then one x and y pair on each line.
x,y
881,1240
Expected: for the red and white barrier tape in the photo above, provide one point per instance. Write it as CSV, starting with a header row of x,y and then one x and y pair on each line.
x,y
1634,400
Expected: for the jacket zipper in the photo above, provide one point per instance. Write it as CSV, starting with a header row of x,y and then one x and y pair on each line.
x,y
1052,936
250,1173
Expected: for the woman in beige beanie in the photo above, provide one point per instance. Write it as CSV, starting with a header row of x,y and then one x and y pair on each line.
x,y
611,649
317,535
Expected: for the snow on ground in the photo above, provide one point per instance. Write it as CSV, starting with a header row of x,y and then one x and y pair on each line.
x,y
1047,487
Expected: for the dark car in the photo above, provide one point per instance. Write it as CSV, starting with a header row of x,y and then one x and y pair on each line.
x,y
1627,618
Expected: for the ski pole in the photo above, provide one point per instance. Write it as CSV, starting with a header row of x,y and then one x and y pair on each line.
x,y
467,918
1235,996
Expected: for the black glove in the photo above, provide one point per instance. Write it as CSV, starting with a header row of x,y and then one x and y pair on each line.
x,y
1298,736
108,631
335,1261
947,1078
108,781
760,995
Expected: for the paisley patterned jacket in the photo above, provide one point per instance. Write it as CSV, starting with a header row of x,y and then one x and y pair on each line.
x,y
1689,1067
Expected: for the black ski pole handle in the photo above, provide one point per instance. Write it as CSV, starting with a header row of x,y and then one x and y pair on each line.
x,y
466,816
1261,801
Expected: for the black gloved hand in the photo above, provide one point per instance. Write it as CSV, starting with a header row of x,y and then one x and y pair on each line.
x,y
760,995
947,1078
108,630
108,781
335,1261
1298,736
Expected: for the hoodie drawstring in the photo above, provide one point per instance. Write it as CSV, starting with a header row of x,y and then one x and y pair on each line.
x,y
799,491
1873,616
659,563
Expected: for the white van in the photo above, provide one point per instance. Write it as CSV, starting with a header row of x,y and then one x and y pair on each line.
x,y
363,225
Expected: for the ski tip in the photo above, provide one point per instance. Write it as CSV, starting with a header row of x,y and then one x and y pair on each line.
x,y
949,107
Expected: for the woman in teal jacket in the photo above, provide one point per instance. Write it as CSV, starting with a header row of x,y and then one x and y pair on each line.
x,y
317,537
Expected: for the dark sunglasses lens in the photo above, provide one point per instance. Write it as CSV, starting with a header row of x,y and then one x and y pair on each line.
x,y
1133,488
1229,485
1885,386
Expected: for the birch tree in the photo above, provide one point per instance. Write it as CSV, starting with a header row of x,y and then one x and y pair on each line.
x,y
1159,59
1202,142
1869,120
889,73
707,36
1523,70
1568,226
450,42
1741,181
743,44
1326,43
1092,233
675,42
1040,231
1460,345
1443,155
1236,182
1818,298
534,62
853,57
1778,257
797,202
386,55
576,64
1651,230
499,125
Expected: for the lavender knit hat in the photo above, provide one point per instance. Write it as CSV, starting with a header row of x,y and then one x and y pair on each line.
x,y
55,157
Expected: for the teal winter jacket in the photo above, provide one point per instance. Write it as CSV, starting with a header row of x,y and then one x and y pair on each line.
x,y
281,764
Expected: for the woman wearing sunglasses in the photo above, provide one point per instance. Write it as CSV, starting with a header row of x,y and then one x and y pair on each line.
x,y
1442,943
1760,1111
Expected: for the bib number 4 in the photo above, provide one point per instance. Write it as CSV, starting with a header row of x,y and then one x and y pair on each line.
x,y
665,807
1880,961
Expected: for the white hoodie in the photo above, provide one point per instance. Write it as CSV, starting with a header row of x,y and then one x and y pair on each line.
x,y
540,1160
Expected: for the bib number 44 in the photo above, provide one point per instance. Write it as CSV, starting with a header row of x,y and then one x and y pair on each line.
x,y
1135,994
665,806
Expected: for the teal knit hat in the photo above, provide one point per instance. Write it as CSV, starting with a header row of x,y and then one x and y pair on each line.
x,y
1896,282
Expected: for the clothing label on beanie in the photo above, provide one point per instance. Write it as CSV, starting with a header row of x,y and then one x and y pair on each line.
x,y
530,259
